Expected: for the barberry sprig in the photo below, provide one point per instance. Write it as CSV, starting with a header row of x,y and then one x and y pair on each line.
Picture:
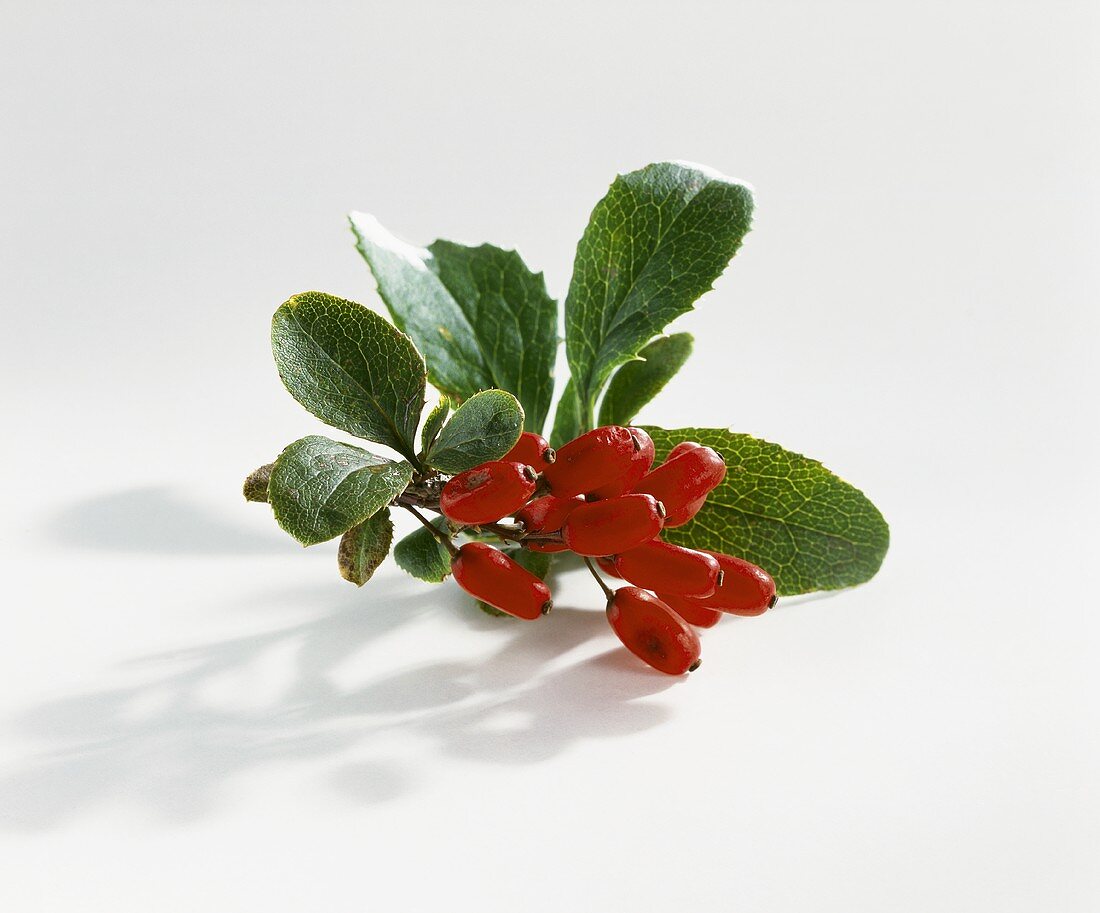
x,y
688,519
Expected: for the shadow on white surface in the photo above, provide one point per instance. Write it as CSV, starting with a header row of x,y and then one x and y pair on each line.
x,y
156,520
170,744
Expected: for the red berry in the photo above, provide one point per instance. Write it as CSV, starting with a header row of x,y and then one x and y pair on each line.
x,y
592,460
694,613
681,516
487,492
613,526
640,464
694,474
546,546
652,631
682,447
491,576
669,568
745,590
547,515
607,565
532,449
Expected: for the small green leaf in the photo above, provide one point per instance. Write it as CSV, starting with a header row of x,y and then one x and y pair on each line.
x,y
492,610
321,488
485,427
654,243
364,547
538,563
481,317
567,418
434,422
255,486
637,382
350,368
421,554
785,512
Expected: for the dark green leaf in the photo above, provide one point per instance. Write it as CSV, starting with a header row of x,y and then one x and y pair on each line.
x,y
321,488
350,368
421,554
567,418
481,317
485,427
434,422
515,321
637,382
255,486
364,547
785,512
422,306
654,243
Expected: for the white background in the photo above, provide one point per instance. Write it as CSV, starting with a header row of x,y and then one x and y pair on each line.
x,y
195,714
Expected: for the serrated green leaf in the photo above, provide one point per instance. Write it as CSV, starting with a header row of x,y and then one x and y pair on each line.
x,y
321,488
787,513
255,486
421,554
637,382
515,321
481,317
654,243
422,306
567,417
434,422
485,427
350,368
364,547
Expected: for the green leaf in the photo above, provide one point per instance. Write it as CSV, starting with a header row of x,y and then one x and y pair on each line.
x,y
538,563
515,321
350,368
364,547
422,306
567,418
485,427
434,422
321,488
785,512
481,317
255,486
421,554
654,243
637,382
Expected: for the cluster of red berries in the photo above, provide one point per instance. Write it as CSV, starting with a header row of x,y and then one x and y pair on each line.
x,y
600,497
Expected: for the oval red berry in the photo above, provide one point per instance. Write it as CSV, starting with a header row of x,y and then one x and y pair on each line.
x,y
612,526
592,460
491,576
668,568
652,631
532,449
487,492
745,589
694,613
692,475
640,464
